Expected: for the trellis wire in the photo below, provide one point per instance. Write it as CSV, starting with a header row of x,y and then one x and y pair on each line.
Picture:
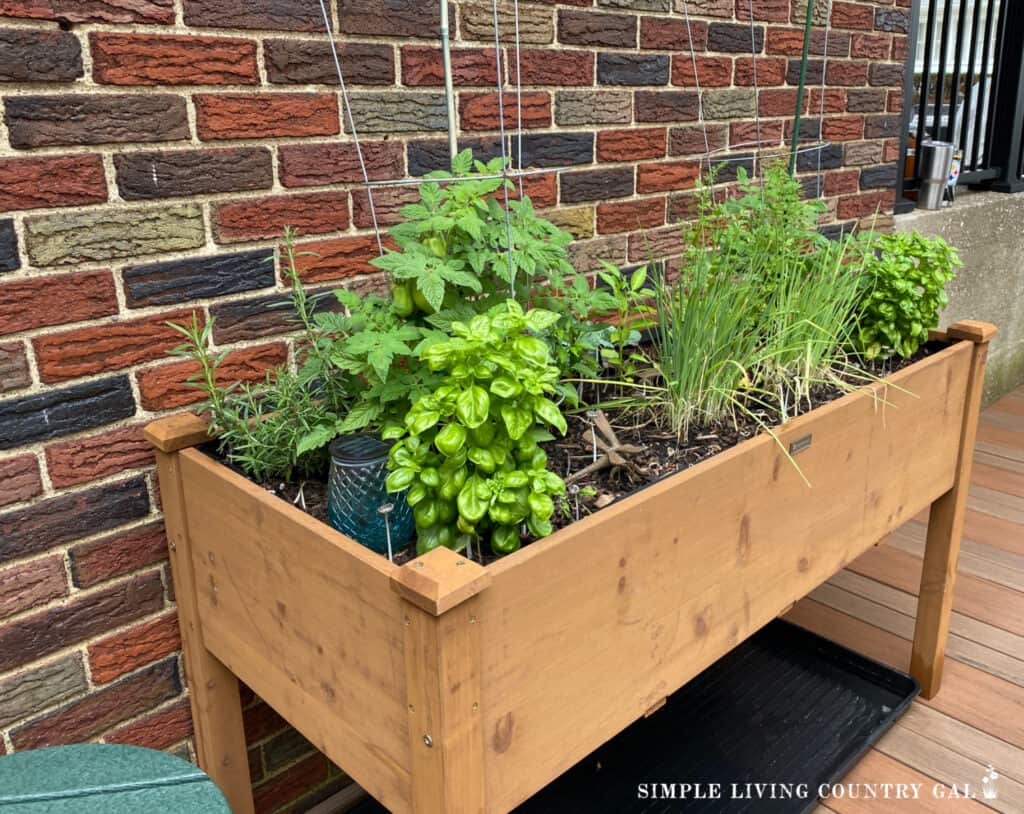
x,y
819,183
501,131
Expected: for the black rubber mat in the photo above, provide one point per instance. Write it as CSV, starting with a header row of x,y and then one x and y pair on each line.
x,y
786,709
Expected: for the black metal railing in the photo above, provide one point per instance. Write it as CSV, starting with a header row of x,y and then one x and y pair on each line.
x,y
965,85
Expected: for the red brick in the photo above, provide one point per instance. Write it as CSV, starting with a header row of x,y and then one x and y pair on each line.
x,y
265,218
90,716
92,11
19,479
337,258
774,11
835,100
34,183
655,244
261,721
683,207
777,102
770,71
847,73
86,459
29,304
305,165
895,101
899,48
111,346
712,71
858,206
853,15
689,140
278,790
14,372
844,128
870,46
891,150
142,59
86,615
32,584
842,182
665,176
550,67
422,67
627,216
750,132
128,650
541,189
164,388
160,730
117,554
479,111
386,203
266,115
671,34
631,145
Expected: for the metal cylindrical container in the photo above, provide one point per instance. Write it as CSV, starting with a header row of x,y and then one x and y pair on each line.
x,y
934,158
357,491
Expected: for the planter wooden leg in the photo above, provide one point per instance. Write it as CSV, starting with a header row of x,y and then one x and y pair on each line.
x,y
442,668
945,528
213,689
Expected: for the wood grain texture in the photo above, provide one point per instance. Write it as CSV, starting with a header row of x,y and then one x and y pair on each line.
x,y
213,689
307,618
662,584
177,432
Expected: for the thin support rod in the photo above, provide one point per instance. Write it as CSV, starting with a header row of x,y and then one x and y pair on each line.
x,y
449,88
809,18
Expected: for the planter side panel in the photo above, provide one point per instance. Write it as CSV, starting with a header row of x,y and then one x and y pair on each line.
x,y
586,631
306,618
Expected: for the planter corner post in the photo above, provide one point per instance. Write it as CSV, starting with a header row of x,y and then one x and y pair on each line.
x,y
219,734
946,524
442,638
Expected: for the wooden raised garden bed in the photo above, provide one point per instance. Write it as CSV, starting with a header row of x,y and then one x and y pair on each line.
x,y
445,686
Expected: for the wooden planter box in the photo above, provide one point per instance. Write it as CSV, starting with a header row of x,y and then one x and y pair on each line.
x,y
444,686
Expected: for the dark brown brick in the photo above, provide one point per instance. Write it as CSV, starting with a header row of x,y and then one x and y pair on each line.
x,y
304,165
391,18
265,115
39,634
735,38
586,255
113,656
73,462
30,55
578,27
9,259
35,183
279,789
264,218
14,372
558,149
633,69
58,520
387,201
143,59
892,19
92,11
159,730
174,281
689,140
882,126
100,710
260,317
153,175
98,348
672,34
655,244
284,749
597,185
276,15
311,62
70,119
666,106
628,216
774,11
865,100
31,584
479,111
888,74
422,66
29,304
883,177
548,67
163,387
19,480
118,554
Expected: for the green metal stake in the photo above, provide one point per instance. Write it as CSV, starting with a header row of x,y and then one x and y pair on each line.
x,y
800,88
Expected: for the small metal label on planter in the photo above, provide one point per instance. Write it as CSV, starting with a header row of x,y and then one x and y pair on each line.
x,y
800,444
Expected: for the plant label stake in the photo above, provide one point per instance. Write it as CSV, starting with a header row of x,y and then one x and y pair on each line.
x,y
574,490
384,510
591,416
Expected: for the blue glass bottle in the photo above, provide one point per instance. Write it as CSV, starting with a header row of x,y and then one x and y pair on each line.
x,y
356,492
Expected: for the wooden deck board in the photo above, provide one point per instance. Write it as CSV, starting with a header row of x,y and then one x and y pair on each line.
x,y
977,719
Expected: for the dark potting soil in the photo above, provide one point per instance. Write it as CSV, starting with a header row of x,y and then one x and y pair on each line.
x,y
646,453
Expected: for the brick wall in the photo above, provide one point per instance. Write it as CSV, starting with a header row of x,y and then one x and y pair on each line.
x,y
150,152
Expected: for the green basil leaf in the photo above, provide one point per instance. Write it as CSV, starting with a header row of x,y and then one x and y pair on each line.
x,y
472,406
